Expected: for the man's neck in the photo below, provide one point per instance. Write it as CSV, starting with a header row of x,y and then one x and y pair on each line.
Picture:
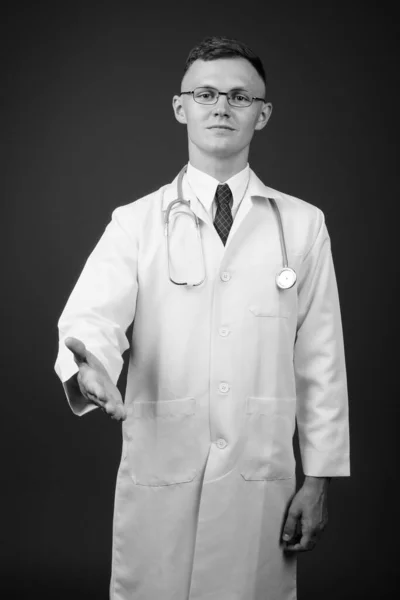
x,y
221,169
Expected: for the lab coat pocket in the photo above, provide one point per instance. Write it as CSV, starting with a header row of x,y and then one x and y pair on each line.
x,y
162,446
262,311
270,301
268,450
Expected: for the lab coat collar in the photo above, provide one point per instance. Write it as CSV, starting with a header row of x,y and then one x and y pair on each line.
x,y
256,189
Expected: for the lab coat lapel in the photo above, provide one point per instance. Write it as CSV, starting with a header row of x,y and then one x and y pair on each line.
x,y
254,211
170,193
254,207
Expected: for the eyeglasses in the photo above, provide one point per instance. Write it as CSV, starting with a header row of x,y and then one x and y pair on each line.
x,y
237,98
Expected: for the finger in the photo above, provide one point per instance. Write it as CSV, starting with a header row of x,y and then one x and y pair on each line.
x,y
114,405
289,530
97,394
90,389
78,349
307,542
301,546
293,548
116,411
96,399
120,413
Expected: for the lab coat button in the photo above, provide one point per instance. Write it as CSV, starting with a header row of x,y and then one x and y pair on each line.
x,y
221,444
223,331
225,276
223,388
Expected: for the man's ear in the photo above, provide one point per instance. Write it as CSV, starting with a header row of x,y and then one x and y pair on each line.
x,y
179,111
264,116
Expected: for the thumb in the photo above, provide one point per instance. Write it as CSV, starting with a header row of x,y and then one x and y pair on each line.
x,y
289,528
78,349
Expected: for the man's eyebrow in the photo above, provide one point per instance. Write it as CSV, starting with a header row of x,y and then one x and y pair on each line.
x,y
233,89
239,87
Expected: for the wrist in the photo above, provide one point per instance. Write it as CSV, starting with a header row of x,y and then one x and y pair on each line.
x,y
316,482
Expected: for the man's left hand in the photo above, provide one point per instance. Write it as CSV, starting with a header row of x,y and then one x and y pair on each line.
x,y
307,515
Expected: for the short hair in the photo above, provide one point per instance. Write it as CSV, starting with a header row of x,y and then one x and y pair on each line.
x,y
212,48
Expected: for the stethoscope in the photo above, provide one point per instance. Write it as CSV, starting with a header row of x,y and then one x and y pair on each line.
x,y
285,279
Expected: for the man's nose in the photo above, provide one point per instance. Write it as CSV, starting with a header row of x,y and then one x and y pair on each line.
x,y
222,106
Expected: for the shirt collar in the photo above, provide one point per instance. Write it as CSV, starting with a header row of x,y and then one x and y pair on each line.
x,y
256,189
204,186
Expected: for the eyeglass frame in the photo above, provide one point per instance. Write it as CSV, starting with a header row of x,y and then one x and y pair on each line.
x,y
221,94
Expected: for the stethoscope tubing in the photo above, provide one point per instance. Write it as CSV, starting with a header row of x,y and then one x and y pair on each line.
x,y
285,279
181,200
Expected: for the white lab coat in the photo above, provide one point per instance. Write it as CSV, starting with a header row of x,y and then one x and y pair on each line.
x,y
217,376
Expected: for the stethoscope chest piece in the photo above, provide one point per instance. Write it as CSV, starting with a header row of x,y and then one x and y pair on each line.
x,y
286,278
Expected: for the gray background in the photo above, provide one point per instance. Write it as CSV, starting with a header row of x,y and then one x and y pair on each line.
x,y
88,126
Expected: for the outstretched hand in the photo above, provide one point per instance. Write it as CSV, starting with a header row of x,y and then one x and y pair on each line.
x,y
94,381
307,516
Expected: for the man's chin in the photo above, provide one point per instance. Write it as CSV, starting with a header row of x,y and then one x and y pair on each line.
x,y
219,148
222,150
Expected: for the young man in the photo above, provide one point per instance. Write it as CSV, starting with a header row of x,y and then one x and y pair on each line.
x,y
220,368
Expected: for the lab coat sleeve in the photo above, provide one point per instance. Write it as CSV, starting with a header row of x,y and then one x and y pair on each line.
x,y
101,306
319,361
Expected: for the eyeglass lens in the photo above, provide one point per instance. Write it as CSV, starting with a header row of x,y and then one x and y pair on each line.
x,y
204,95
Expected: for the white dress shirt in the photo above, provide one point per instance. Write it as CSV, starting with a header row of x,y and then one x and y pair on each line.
x,y
204,187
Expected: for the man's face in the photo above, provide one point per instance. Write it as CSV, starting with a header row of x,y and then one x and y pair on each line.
x,y
221,130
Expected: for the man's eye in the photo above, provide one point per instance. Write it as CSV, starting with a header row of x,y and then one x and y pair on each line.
x,y
241,98
206,95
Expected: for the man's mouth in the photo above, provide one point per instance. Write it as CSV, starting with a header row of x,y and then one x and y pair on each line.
x,y
221,127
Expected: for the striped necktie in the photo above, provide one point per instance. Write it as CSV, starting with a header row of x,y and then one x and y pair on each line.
x,y
223,218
